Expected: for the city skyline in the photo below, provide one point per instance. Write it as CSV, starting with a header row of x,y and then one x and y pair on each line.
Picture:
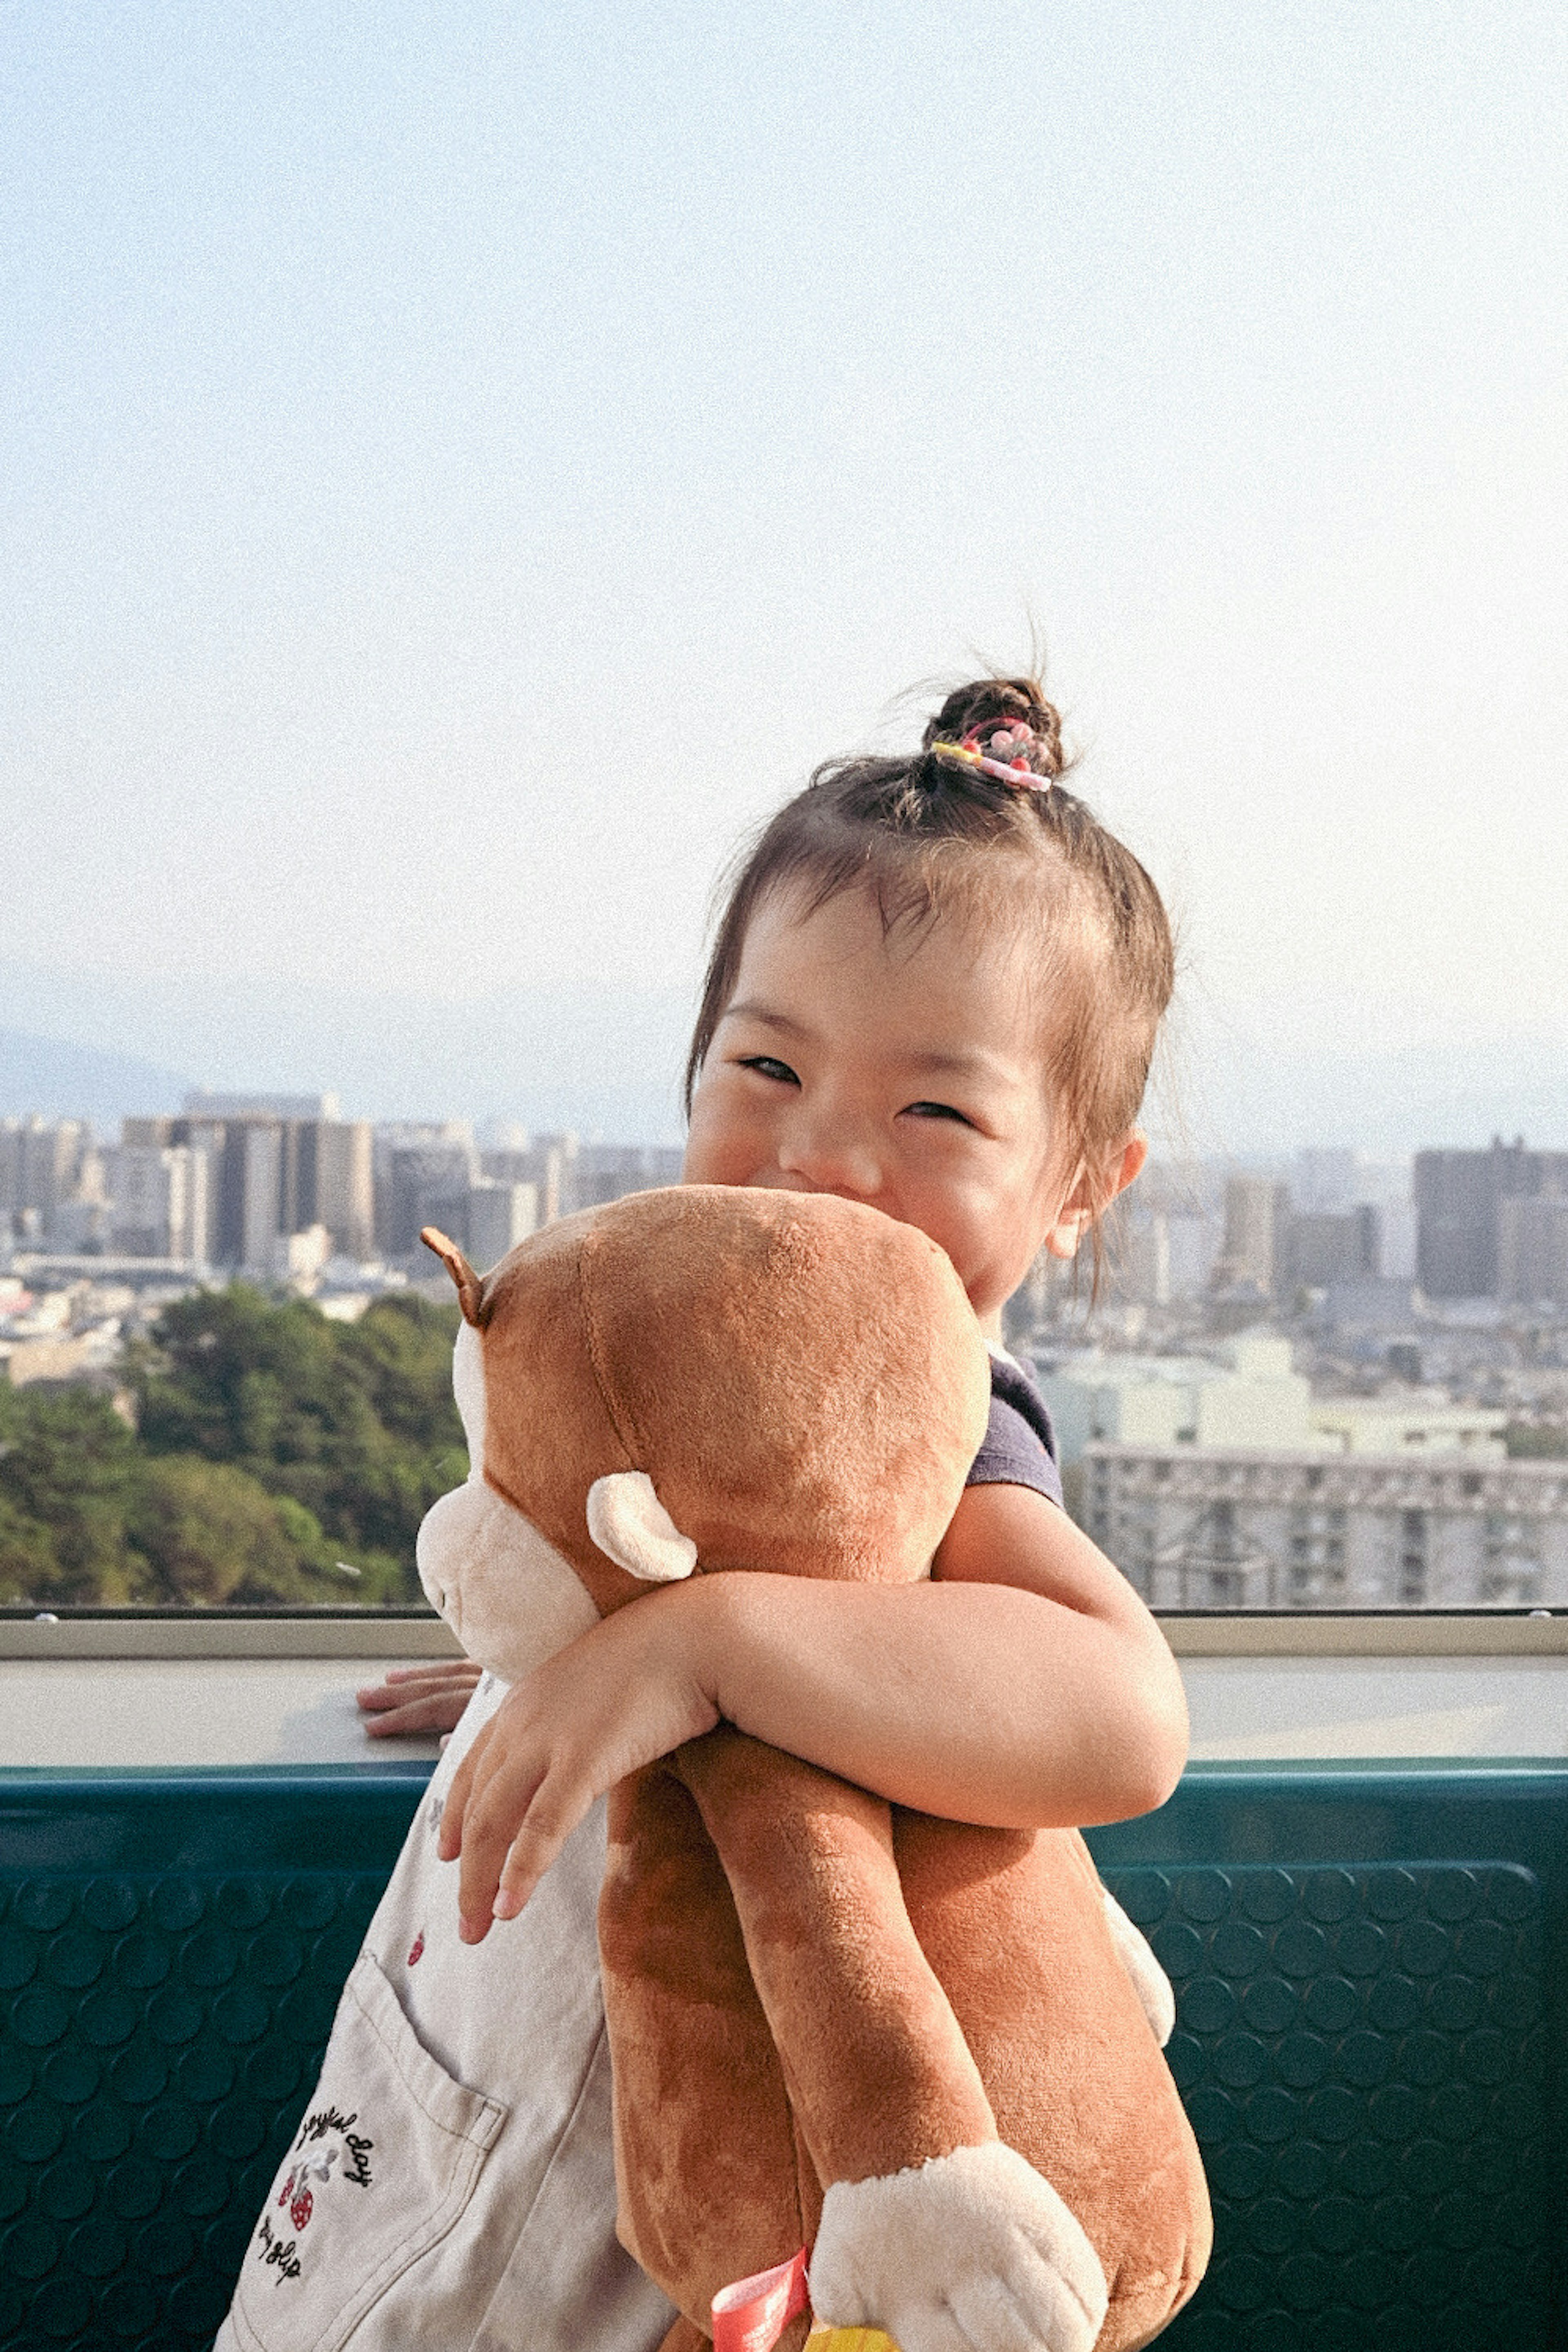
x,y
52,1079
1299,1390
285,1184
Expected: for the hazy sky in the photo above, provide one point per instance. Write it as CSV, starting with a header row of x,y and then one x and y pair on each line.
x,y
463,462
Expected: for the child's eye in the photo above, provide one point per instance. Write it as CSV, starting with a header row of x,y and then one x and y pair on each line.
x,y
768,1066
937,1110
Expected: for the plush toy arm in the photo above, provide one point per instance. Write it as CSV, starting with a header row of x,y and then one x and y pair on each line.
x,y
1150,1982
930,2229
879,2075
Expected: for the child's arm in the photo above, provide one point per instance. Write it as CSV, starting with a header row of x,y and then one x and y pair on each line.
x,y
1027,1686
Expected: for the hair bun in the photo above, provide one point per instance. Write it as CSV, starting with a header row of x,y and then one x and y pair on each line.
x,y
1006,701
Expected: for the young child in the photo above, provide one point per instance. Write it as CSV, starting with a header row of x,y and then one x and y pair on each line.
x,y
935,990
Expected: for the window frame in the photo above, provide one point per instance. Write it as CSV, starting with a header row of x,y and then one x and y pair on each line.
x,y
408,1633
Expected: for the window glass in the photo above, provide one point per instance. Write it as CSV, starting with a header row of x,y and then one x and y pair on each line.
x,y
463,471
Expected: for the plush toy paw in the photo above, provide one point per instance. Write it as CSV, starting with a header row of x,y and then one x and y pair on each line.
x,y
971,2252
1150,1982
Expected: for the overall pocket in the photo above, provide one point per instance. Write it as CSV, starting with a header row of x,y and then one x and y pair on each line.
x,y
385,2160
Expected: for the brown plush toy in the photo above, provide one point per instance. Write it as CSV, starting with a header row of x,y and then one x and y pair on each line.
x,y
910,2042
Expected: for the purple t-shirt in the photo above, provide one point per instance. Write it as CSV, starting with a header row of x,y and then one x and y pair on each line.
x,y
1019,1447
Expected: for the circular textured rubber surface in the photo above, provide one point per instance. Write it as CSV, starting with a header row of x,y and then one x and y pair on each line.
x,y
1362,2055
1360,2049
157,2034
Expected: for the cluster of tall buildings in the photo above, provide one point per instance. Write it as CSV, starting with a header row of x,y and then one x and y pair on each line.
x,y
1209,1469
278,1185
1493,1224
1274,1246
1218,1476
275,1183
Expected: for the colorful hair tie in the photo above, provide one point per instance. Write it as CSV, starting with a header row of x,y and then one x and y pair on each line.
x,y
1002,737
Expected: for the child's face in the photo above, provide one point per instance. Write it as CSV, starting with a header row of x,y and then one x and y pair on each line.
x,y
908,1075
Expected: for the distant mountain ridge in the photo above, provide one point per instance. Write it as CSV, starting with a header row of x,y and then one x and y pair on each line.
x,y
609,1066
1380,1100
62,1079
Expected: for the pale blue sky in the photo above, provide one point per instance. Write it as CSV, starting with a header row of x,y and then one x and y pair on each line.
x,y
463,462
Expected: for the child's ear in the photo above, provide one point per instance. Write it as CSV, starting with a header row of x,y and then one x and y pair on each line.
x,y
1092,1191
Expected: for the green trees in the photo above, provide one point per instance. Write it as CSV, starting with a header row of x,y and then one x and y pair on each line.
x,y
66,1469
270,1445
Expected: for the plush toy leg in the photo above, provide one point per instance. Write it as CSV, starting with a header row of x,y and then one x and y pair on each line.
x,y
930,2229
714,2184
1016,1930
879,2073
973,2249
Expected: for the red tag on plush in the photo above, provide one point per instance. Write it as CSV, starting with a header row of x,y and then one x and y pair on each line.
x,y
750,2315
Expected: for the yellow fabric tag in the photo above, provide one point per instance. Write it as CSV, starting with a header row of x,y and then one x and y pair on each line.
x,y
849,2339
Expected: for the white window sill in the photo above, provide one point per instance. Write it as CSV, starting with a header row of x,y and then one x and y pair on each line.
x,y
157,1693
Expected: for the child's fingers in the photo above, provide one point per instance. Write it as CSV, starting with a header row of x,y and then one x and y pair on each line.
x,y
499,1824
487,1799
431,1670
449,1837
550,1822
427,1710
399,1682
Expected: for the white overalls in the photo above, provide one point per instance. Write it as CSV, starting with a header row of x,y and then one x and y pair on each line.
x,y
451,2184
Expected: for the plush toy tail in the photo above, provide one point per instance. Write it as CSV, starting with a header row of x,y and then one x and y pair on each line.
x,y
470,1289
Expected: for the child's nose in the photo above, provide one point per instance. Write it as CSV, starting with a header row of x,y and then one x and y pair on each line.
x,y
830,1158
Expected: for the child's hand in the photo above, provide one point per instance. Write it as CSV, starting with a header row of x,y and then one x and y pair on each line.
x,y
427,1697
621,1696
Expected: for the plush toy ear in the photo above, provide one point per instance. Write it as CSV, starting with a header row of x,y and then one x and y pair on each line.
x,y
631,1527
470,1288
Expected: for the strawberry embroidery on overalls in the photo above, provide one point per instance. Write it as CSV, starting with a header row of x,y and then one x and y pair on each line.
x,y
296,2193
316,2165
416,1949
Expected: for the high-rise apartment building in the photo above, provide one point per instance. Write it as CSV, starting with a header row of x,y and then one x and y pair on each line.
x,y
1322,1249
271,1176
548,1162
39,1162
257,1152
1257,1210
345,1185
160,1199
496,1217
426,1184
1532,1250
1459,1198
1204,1527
